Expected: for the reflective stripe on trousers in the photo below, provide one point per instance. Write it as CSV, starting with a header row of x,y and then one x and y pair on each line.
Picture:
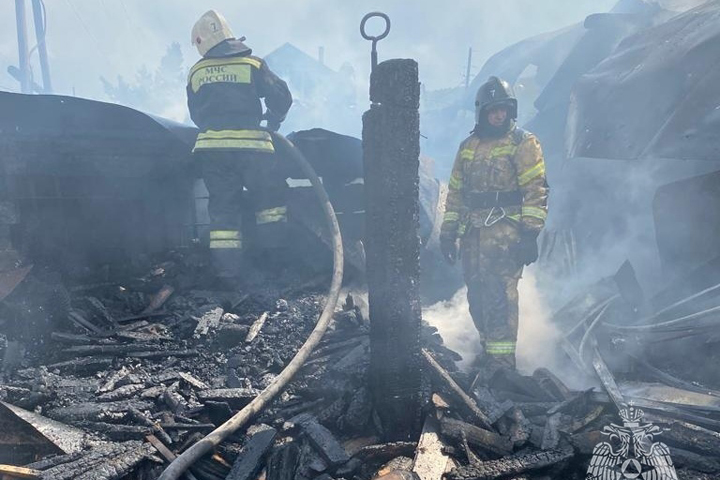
x,y
500,348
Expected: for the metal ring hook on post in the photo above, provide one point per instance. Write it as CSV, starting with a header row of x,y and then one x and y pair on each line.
x,y
374,38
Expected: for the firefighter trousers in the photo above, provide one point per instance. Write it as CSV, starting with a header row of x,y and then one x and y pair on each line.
x,y
492,273
247,204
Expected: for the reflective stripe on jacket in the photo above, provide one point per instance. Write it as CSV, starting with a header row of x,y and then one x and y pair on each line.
x,y
224,95
511,162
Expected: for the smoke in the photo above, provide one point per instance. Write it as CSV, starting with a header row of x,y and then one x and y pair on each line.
x,y
453,321
538,339
88,39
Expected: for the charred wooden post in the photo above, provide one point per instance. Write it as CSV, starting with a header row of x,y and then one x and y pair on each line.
x,y
391,149
507,467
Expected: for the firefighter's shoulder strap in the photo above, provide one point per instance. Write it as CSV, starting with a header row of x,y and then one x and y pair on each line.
x,y
519,135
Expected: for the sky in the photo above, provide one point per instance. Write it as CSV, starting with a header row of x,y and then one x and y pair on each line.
x,y
92,38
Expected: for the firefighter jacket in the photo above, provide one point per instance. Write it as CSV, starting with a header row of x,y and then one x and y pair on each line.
x,y
494,179
224,91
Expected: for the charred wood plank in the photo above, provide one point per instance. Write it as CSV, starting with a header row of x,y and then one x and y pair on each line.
x,y
174,400
110,350
513,383
510,466
82,322
159,299
456,390
193,381
488,404
311,463
340,347
114,379
104,453
164,354
81,365
477,436
121,393
75,339
607,380
580,423
140,336
322,440
574,401
188,426
551,434
585,442
356,356
98,412
386,451
118,433
256,327
689,436
701,463
248,463
283,462
19,472
120,466
236,397
134,318
549,382
430,460
520,428
166,453
143,419
534,409
54,461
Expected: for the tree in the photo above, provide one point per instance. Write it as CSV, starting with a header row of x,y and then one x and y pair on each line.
x,y
161,92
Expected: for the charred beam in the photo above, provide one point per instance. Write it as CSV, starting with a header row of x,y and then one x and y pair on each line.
x,y
391,148
487,440
506,467
248,463
457,391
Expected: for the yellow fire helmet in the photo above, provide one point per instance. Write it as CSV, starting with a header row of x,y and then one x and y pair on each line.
x,y
211,29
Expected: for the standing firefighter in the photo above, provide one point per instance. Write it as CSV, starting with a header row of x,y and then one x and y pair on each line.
x,y
224,91
496,207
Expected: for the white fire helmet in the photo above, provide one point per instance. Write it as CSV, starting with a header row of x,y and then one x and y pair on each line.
x,y
211,29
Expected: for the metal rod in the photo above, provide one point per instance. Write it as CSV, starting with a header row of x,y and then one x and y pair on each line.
x,y
685,300
469,66
588,332
39,14
23,56
663,325
590,315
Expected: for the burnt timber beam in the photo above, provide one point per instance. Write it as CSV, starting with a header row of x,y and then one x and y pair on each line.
x,y
391,150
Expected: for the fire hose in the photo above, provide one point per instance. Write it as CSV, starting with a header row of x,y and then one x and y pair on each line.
x,y
183,462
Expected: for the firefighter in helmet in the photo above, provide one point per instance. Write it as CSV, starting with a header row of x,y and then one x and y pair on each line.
x,y
247,203
496,207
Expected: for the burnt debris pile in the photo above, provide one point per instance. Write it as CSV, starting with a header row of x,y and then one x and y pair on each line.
x,y
120,377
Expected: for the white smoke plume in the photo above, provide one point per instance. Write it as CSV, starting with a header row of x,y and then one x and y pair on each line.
x,y
538,338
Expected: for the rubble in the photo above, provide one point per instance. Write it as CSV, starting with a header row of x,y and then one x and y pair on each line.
x,y
134,404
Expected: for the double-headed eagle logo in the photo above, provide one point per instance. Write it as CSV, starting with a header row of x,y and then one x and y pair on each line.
x,y
630,452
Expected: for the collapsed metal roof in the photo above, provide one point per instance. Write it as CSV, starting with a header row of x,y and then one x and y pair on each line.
x,y
656,96
121,130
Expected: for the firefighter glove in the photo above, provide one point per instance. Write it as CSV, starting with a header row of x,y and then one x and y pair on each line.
x,y
449,246
273,121
526,250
